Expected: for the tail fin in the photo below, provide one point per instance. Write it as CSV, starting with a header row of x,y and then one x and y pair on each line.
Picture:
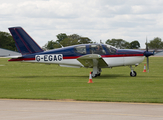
x,y
24,43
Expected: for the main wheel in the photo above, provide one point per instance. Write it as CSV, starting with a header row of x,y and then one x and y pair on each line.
x,y
133,74
98,74
93,75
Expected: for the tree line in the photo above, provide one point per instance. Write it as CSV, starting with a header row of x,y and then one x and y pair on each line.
x,y
7,42
63,40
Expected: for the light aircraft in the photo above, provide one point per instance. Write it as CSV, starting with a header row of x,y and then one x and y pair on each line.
x,y
96,56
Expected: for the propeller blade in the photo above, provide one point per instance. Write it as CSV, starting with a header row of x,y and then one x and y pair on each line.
x,y
148,64
146,45
147,54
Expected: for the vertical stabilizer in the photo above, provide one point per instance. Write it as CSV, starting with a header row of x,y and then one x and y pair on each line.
x,y
24,43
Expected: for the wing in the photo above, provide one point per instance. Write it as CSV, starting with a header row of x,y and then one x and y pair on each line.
x,y
91,60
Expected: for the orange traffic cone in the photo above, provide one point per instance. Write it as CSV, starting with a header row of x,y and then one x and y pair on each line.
x,y
144,68
90,78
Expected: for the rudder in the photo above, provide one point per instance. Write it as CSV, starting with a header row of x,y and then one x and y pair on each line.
x,y
24,43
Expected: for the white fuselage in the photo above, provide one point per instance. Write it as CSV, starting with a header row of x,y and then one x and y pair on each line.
x,y
111,61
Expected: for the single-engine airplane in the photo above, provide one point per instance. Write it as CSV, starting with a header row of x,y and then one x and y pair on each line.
x,y
96,56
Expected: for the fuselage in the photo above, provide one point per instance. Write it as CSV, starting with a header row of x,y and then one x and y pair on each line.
x,y
94,56
67,56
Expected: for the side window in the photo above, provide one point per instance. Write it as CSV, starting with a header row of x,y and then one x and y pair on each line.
x,y
111,49
97,49
80,49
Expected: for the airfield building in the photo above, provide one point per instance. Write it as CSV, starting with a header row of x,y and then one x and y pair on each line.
x,y
5,52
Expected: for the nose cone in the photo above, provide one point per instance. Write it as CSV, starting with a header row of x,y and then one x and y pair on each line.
x,y
147,54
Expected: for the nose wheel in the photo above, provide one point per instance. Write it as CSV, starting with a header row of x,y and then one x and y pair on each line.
x,y
132,73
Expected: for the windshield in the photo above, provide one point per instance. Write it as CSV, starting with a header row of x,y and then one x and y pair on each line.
x,y
111,49
97,49
80,49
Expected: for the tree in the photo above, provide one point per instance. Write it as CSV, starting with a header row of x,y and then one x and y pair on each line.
x,y
7,42
51,45
74,36
134,45
61,37
84,40
118,43
69,41
66,40
156,43
75,39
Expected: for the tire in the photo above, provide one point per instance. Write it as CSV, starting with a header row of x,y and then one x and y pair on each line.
x,y
99,74
93,75
133,74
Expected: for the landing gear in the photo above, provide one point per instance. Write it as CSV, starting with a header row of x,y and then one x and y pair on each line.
x,y
96,71
132,73
95,75
99,74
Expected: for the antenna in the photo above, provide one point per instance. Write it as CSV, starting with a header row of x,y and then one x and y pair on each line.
x,y
60,44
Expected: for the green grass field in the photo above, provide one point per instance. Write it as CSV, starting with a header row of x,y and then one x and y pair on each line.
x,y
40,81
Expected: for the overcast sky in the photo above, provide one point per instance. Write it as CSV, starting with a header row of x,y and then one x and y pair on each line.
x,y
96,19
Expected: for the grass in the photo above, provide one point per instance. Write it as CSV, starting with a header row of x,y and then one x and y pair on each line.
x,y
41,81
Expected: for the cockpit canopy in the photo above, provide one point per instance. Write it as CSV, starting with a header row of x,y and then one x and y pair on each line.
x,y
111,49
95,49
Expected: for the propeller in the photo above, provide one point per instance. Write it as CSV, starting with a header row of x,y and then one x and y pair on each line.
x,y
147,54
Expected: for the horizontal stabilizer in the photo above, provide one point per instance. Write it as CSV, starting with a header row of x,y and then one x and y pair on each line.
x,y
8,56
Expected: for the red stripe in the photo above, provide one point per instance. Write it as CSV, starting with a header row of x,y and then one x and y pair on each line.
x,y
21,59
71,57
123,55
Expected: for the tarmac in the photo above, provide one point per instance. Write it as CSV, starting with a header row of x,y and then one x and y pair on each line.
x,y
11,109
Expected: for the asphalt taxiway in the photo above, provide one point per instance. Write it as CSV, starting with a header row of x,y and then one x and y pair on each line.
x,y
77,110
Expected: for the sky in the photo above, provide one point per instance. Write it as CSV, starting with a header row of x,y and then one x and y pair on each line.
x,y
96,19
